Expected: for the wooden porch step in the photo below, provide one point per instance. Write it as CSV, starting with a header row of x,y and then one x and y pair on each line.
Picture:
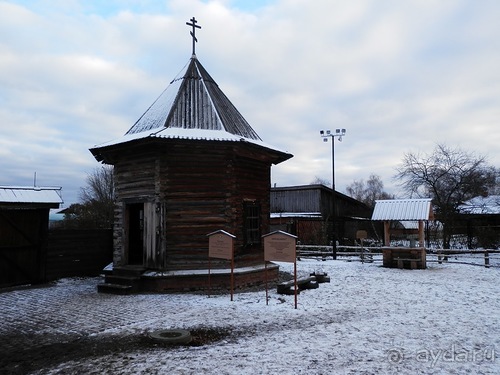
x,y
129,270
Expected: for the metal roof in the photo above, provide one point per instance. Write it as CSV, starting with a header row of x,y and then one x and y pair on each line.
x,y
194,101
192,107
34,194
403,209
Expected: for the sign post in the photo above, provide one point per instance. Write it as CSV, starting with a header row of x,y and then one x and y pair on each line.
x,y
280,246
221,245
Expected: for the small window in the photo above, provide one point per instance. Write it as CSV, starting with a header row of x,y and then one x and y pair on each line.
x,y
251,223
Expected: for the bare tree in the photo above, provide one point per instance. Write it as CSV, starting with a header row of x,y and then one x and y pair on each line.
x,y
97,199
450,176
100,186
320,181
368,192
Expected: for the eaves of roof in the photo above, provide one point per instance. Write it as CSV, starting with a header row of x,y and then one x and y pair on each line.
x,y
190,134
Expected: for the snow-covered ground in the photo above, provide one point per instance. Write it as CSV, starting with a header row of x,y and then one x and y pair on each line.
x,y
367,320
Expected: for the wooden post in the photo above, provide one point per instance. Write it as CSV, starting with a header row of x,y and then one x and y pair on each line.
x,y
421,238
232,276
387,236
267,289
295,281
209,280
487,259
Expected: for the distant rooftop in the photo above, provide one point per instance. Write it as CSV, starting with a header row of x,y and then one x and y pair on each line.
x,y
489,205
30,194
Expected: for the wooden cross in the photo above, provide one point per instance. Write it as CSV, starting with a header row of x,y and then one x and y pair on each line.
x,y
193,33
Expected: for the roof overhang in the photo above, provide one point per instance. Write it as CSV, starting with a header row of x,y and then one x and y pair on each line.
x,y
102,151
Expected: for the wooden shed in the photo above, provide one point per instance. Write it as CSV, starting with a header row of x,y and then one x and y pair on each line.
x,y
306,211
190,165
24,225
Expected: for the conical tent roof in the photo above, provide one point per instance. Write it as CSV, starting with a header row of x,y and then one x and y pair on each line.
x,y
192,107
194,101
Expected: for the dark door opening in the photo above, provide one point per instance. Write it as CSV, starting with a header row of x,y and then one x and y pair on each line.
x,y
135,233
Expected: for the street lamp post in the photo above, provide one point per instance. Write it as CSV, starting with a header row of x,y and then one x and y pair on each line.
x,y
339,133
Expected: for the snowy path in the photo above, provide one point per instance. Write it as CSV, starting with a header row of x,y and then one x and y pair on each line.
x,y
442,320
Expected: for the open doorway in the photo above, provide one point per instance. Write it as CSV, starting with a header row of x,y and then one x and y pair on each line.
x,y
135,230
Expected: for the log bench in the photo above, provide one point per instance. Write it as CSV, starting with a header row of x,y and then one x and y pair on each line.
x,y
321,277
311,282
287,287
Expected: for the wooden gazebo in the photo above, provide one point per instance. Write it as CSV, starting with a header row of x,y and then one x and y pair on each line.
x,y
404,210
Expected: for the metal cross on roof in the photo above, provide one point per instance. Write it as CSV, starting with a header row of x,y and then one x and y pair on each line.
x,y
193,33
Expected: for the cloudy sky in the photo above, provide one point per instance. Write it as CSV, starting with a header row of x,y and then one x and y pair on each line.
x,y
400,76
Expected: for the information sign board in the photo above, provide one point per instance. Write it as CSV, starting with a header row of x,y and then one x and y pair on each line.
x,y
280,247
220,245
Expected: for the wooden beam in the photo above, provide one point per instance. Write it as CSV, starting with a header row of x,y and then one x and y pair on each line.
x,y
387,235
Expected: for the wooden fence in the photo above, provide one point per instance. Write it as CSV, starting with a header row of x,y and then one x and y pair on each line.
x,y
78,252
486,258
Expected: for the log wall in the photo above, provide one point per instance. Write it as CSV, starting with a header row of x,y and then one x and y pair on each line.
x,y
190,189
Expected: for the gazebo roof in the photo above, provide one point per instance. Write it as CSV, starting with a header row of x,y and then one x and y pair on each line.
x,y
403,209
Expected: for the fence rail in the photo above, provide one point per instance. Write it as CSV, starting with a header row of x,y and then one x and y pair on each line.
x,y
489,258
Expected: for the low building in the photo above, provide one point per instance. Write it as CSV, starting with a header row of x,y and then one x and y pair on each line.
x,y
306,212
479,220
24,225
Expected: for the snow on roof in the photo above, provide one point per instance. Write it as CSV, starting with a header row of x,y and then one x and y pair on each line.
x,y
481,205
295,214
194,101
30,194
402,209
191,134
192,107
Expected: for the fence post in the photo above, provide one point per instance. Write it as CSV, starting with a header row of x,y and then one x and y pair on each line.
x,y
439,257
486,259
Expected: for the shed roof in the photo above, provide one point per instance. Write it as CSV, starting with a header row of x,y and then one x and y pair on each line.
x,y
403,209
192,107
30,194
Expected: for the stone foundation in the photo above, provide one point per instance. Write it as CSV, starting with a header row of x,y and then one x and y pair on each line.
x,y
134,279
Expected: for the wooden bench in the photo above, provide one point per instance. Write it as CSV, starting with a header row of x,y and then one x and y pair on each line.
x,y
412,261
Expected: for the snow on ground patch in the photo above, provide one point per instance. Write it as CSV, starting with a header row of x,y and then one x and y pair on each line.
x,y
368,319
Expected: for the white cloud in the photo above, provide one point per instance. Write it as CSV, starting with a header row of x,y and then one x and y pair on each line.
x,y
399,76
